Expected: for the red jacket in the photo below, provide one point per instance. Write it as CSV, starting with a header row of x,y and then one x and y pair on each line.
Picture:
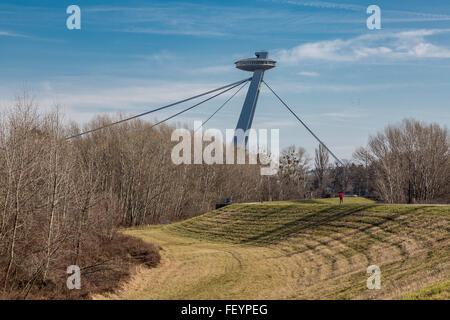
x,y
341,195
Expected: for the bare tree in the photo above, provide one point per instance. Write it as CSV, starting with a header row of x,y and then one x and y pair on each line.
x,y
411,162
292,175
321,170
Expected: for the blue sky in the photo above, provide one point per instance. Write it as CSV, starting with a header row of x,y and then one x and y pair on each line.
x,y
345,81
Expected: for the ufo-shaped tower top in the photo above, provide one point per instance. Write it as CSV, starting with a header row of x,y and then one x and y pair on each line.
x,y
258,66
261,62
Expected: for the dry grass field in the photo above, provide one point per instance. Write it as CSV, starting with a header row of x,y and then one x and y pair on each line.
x,y
311,249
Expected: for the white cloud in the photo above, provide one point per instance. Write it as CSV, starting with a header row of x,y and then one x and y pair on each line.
x,y
132,96
308,73
343,115
11,34
159,56
428,50
324,5
321,50
299,87
407,44
394,15
162,56
180,31
84,102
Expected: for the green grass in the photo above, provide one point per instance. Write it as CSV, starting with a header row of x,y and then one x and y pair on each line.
x,y
272,222
439,291
299,250
332,201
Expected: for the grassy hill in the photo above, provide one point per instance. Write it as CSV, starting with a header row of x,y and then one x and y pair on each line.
x,y
312,249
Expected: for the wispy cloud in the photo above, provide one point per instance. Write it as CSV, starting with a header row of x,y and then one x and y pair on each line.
x,y
323,5
179,31
309,73
11,34
393,15
184,19
200,20
83,102
135,96
274,124
298,87
408,44
343,115
159,56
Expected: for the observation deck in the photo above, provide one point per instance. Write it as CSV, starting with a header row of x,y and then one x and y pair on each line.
x,y
261,62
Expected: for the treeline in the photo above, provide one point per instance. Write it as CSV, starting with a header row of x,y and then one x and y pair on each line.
x,y
61,201
55,211
404,163
409,163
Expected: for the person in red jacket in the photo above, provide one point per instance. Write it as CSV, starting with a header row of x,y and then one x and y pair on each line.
x,y
341,198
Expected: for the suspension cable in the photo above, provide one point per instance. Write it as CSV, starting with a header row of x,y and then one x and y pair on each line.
x,y
197,104
307,128
157,109
223,105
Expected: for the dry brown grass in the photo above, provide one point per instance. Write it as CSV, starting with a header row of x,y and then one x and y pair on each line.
x,y
104,262
296,251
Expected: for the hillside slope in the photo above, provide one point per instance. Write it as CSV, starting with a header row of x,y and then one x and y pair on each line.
x,y
298,250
